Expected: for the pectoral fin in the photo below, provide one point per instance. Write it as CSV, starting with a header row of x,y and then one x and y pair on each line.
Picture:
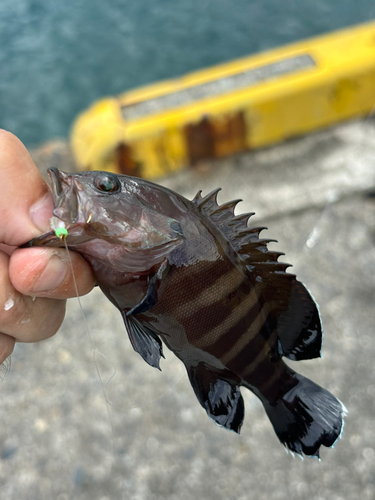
x,y
151,297
221,400
144,340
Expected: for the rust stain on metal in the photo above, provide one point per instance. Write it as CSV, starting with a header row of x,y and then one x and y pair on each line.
x,y
200,140
125,162
215,137
230,134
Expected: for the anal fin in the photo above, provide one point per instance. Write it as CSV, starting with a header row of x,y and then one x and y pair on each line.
x,y
221,400
144,340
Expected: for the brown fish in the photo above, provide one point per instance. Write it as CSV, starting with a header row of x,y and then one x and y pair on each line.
x,y
195,276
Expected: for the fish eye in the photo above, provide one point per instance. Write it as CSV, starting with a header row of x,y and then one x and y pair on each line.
x,y
107,183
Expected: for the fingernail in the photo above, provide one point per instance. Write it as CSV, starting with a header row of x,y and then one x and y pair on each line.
x,y
52,276
41,212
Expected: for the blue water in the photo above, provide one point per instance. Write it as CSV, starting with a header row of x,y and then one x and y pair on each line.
x,y
57,56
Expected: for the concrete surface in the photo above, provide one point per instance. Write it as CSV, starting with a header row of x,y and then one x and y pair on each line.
x,y
67,433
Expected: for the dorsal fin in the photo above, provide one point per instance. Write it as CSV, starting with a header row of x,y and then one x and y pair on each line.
x,y
293,309
245,240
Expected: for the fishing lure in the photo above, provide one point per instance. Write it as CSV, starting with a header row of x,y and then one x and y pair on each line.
x,y
194,276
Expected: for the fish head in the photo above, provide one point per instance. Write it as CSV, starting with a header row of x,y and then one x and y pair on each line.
x,y
107,217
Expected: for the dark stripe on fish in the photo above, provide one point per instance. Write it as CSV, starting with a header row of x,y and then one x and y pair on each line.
x,y
272,380
211,295
241,311
197,278
247,339
235,333
250,360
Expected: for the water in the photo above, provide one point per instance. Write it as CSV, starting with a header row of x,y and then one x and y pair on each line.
x,y
56,57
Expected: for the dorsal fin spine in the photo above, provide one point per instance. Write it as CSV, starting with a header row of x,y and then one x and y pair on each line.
x,y
209,199
256,229
230,205
265,241
197,197
243,218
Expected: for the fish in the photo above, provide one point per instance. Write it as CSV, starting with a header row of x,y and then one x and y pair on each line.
x,y
194,276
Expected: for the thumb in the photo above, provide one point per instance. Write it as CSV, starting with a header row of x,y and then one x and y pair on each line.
x,y
26,203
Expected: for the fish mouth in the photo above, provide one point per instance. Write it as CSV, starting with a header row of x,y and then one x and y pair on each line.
x,y
64,192
65,201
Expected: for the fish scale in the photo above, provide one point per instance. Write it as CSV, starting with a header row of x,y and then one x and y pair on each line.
x,y
194,276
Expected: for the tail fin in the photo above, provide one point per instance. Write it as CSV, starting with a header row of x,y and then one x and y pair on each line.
x,y
306,417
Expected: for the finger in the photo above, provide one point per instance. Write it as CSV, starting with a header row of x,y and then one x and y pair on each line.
x,y
26,318
46,272
26,203
7,248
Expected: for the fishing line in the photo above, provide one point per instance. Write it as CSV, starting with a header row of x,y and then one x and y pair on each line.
x,y
5,368
62,234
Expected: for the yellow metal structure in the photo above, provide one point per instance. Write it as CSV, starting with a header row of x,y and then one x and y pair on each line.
x,y
244,104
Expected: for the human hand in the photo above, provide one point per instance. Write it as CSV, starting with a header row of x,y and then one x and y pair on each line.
x,y
34,282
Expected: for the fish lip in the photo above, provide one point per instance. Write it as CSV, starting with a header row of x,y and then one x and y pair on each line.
x,y
64,192
43,240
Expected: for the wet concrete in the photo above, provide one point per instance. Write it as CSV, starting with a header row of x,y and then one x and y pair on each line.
x,y
139,433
